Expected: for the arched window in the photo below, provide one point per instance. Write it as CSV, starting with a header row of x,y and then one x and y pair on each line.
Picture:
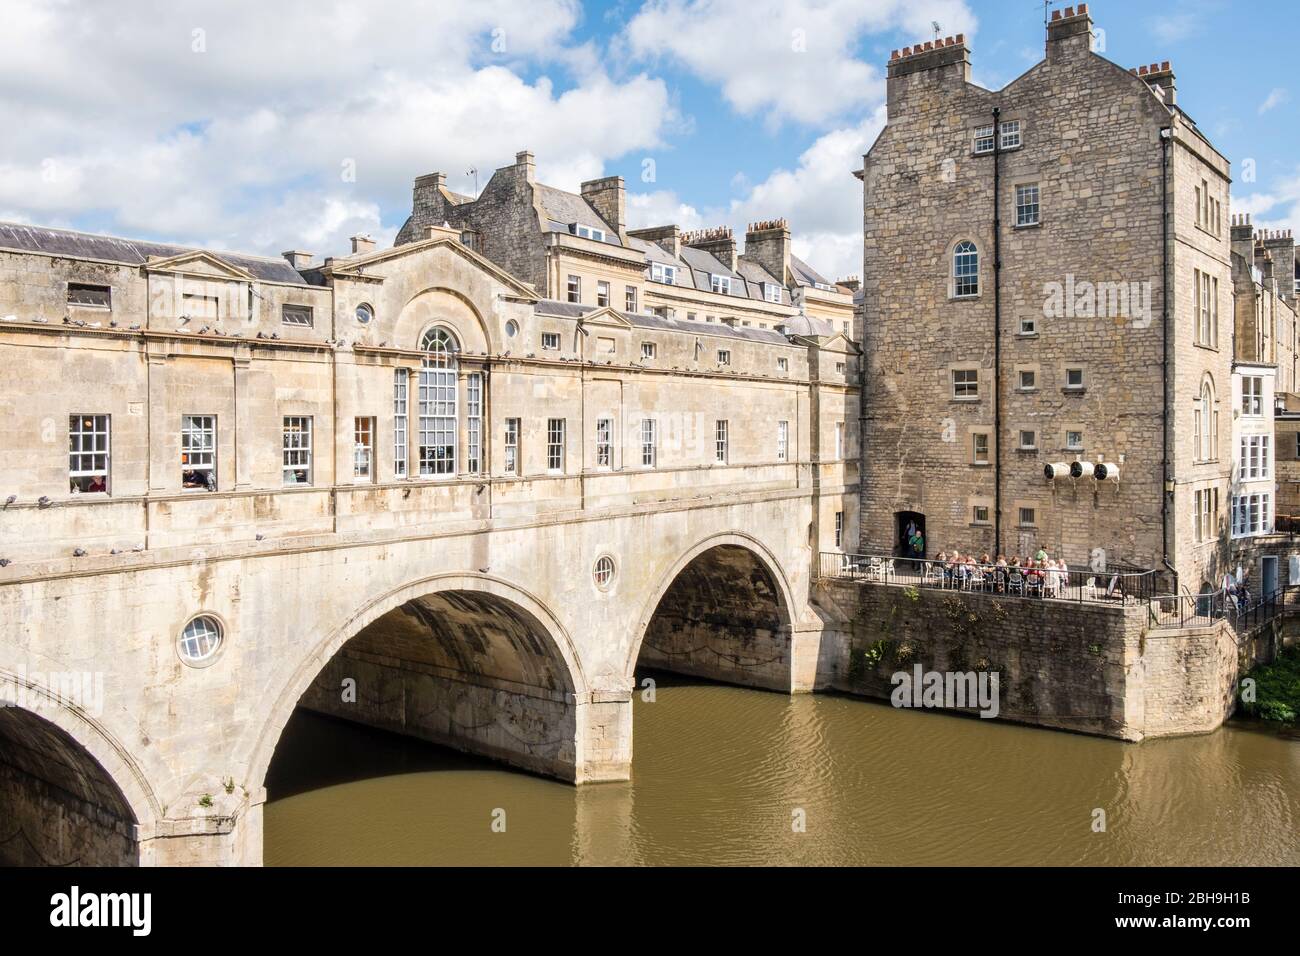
x,y
965,270
1206,424
438,402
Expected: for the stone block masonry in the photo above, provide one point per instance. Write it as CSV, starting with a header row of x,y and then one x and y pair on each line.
x,y
1087,667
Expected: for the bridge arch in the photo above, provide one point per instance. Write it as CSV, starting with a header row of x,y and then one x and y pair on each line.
x,y
70,793
723,610
515,662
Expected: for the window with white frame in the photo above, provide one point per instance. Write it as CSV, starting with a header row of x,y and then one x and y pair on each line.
x,y
1253,458
720,284
839,529
980,448
659,272
979,514
296,315
965,270
88,451
720,449
1028,517
589,232
965,383
363,448
724,356
1207,309
1027,205
401,422
1028,326
575,289
474,423
1028,380
1010,132
200,640
1074,378
984,139
1073,440
297,450
550,341
1252,514
602,294
604,442
1205,425
649,444
438,402
648,350
511,463
1206,506
783,441
630,299
772,292
783,365
555,445
1028,440
199,451
1252,395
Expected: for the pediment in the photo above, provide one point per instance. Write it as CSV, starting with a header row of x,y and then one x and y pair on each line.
x,y
198,263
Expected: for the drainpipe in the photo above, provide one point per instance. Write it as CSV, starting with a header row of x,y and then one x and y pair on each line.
x,y
997,334
1166,136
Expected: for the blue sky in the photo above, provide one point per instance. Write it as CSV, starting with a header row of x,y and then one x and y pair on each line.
x,y
242,125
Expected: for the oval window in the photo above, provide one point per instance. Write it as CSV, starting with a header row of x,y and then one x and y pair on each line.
x,y
365,313
512,329
603,572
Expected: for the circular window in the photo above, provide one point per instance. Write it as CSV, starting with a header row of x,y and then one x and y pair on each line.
x,y
200,640
603,572
512,329
365,313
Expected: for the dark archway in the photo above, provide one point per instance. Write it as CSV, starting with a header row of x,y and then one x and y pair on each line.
x,y
467,669
724,617
58,805
907,526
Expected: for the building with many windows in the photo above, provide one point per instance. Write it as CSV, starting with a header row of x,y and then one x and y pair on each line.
x,y
1048,335
576,248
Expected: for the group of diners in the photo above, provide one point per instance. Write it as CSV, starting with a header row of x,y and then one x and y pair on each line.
x,y
1039,576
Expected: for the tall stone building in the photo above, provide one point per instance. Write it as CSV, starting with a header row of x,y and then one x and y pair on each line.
x,y
1047,287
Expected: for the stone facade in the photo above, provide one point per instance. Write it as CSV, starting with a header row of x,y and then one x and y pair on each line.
x,y
1057,357
467,542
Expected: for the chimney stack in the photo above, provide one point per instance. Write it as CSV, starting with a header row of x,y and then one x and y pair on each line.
x,y
298,259
526,165
1160,77
1281,250
669,238
768,244
361,244
1069,32
609,198
718,242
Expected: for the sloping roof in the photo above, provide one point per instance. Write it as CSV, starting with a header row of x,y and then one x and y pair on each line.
x,y
572,310
564,208
807,325
135,252
805,274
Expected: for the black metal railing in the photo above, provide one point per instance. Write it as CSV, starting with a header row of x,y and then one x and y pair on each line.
x,y
1243,610
1029,581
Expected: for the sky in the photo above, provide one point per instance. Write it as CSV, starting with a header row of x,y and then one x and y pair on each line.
x,y
250,126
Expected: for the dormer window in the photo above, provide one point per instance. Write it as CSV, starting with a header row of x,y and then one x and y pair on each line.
x,y
720,284
663,273
772,292
588,232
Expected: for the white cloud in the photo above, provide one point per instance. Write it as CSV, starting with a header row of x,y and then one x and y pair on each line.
x,y
785,59
661,208
1276,97
234,124
1277,209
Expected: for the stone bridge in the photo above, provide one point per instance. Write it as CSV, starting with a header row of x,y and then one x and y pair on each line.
x,y
399,489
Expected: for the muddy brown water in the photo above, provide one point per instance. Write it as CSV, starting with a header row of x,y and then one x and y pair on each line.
x,y
724,775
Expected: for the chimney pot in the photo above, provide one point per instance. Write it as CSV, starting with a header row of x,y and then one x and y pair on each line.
x,y
1069,12
1056,14
1083,8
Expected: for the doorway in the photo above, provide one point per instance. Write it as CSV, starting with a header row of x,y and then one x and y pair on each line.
x,y
907,526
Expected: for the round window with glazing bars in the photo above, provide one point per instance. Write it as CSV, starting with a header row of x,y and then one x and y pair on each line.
x,y
603,572
200,640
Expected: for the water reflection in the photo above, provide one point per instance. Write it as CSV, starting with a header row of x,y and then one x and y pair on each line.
x,y
719,773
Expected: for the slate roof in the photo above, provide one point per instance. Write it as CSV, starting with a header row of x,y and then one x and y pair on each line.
x,y
134,252
572,310
805,274
564,208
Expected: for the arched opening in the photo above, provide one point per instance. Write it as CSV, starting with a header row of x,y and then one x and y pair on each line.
x,y
462,668
58,805
723,617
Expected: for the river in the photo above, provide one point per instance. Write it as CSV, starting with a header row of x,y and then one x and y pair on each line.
x,y
724,775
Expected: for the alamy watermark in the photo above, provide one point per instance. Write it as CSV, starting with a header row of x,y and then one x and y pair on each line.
x,y
946,689
1081,299
83,690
